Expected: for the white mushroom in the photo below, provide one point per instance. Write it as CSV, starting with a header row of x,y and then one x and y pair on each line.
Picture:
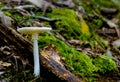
x,y
34,31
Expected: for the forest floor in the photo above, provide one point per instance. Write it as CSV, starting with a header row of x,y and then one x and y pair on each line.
x,y
99,35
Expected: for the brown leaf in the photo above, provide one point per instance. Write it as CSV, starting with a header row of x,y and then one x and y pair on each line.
x,y
38,3
74,41
68,3
110,23
5,50
105,30
52,53
5,64
109,10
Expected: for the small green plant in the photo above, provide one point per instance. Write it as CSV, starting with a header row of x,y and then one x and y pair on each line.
x,y
104,64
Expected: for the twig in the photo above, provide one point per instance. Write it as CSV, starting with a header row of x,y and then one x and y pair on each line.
x,y
42,18
18,7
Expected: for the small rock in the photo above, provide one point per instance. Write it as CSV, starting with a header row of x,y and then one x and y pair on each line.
x,y
116,43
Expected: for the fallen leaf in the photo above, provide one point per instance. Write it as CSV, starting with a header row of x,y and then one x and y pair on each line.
x,y
110,23
38,3
5,64
116,43
52,53
69,3
109,10
7,21
5,50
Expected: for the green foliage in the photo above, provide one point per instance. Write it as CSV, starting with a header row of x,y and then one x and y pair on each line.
x,y
84,29
19,19
69,25
83,65
78,62
7,13
104,64
101,3
98,22
91,79
97,42
116,2
95,5
1,5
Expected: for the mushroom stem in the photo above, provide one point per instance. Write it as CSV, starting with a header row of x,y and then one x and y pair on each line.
x,y
36,55
35,31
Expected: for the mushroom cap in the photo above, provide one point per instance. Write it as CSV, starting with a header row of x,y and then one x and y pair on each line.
x,y
33,30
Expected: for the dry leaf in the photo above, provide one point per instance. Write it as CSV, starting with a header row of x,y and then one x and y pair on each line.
x,y
38,3
116,43
110,23
5,64
5,19
69,3
74,41
53,54
5,50
108,10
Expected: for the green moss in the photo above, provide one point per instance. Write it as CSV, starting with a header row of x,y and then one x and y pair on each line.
x,y
91,79
104,64
98,42
69,25
95,5
98,22
78,62
103,3
7,13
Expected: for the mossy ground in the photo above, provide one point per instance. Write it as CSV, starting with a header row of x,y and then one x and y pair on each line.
x,y
77,62
70,27
69,24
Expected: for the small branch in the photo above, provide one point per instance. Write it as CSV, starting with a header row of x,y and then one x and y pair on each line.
x,y
18,7
42,18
